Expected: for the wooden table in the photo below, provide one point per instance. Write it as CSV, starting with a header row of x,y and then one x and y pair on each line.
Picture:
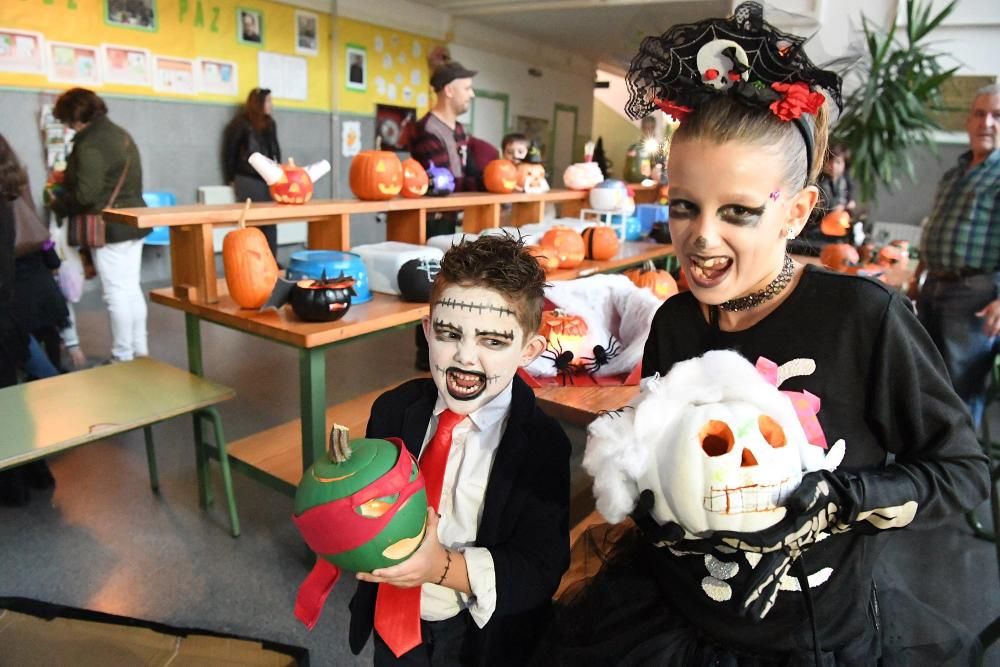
x,y
191,252
278,456
581,405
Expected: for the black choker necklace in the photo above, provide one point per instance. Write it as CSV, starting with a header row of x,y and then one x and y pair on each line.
x,y
773,289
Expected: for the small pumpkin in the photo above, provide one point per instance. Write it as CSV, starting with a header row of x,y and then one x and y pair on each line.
x,y
249,266
659,282
361,507
416,277
839,256
835,223
294,187
415,180
500,176
546,258
442,181
323,300
890,255
566,244
564,332
531,178
376,175
601,242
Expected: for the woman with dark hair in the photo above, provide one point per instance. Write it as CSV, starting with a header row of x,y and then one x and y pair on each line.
x,y
799,587
103,156
253,130
15,484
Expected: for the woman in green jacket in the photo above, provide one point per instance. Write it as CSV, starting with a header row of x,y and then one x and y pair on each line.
x,y
102,153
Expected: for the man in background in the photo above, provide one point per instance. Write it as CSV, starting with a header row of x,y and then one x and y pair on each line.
x,y
960,250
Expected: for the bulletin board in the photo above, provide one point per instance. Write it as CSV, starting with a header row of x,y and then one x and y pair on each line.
x,y
393,68
204,50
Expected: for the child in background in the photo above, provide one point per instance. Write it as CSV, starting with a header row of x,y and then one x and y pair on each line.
x,y
835,184
496,469
514,147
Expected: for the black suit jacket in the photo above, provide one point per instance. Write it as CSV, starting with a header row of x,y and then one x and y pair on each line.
x,y
525,520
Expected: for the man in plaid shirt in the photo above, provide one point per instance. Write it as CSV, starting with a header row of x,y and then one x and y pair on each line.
x,y
960,250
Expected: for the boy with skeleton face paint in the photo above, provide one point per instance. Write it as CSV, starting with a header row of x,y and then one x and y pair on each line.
x,y
498,543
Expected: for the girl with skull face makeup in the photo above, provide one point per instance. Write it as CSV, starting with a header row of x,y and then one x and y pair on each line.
x,y
742,166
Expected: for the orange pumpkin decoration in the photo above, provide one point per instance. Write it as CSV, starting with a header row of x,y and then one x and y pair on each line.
x,y
659,282
500,176
415,179
531,177
682,281
546,258
566,244
376,175
839,256
250,269
890,255
601,242
835,223
294,187
561,323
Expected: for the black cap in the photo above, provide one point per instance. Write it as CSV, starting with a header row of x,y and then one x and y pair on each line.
x,y
448,72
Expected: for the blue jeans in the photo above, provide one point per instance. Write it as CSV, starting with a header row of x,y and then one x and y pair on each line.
x,y
947,309
38,364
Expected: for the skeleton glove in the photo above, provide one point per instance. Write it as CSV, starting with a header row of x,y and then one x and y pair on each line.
x,y
664,535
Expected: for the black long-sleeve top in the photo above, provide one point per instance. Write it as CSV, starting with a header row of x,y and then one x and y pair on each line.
x,y
240,140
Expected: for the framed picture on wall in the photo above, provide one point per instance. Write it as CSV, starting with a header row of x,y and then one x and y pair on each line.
x,y
306,31
139,14
249,26
356,64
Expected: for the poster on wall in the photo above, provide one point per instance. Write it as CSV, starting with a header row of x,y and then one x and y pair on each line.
x,y
174,75
287,77
250,26
306,31
218,77
350,134
74,63
22,51
394,126
356,76
126,65
138,14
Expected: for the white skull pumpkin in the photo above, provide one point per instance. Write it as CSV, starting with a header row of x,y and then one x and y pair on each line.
x,y
719,446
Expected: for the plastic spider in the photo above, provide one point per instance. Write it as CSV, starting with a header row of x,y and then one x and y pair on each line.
x,y
602,355
562,360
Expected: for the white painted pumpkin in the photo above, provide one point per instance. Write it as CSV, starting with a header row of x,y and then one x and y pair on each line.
x,y
719,446
582,176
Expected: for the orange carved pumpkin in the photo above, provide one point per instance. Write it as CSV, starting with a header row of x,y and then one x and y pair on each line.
x,y
531,177
839,256
415,179
294,187
376,175
566,244
500,176
561,323
250,269
546,258
659,282
601,242
835,223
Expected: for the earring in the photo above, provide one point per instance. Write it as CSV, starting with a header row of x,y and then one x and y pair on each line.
x,y
791,233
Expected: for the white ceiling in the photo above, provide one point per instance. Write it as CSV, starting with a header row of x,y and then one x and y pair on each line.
x,y
606,32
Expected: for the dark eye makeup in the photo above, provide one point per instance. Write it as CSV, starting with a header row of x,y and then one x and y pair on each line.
x,y
737,214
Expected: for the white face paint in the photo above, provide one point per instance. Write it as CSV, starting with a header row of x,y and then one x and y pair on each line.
x,y
476,346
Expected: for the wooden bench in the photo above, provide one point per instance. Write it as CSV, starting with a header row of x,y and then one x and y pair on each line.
x,y
48,416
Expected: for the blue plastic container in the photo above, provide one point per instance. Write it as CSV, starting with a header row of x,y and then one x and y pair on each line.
x,y
156,199
633,229
650,213
312,264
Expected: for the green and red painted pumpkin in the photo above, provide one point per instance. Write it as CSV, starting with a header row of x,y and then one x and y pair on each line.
x,y
376,175
323,300
360,508
601,242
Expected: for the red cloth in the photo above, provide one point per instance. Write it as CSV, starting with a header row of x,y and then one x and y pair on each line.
x,y
397,610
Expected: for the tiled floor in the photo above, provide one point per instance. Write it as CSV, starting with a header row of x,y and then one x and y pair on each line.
x,y
101,540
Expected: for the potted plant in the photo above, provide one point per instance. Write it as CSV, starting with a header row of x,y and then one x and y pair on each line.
x,y
893,110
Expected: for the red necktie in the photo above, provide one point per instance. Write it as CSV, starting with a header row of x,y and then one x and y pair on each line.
x,y
397,610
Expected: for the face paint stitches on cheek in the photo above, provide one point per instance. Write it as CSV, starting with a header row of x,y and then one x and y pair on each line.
x,y
475,346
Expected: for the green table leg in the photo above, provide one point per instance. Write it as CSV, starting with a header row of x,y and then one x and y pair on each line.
x,y
192,327
312,395
212,415
154,478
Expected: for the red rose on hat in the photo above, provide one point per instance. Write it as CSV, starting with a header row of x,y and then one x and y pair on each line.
x,y
678,111
796,99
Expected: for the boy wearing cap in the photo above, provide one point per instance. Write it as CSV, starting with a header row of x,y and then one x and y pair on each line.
x,y
496,469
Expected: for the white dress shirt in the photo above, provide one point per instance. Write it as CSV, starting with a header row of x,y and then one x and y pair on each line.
x,y
474,445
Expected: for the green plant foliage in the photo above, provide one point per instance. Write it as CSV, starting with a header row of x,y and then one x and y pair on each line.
x,y
892,111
